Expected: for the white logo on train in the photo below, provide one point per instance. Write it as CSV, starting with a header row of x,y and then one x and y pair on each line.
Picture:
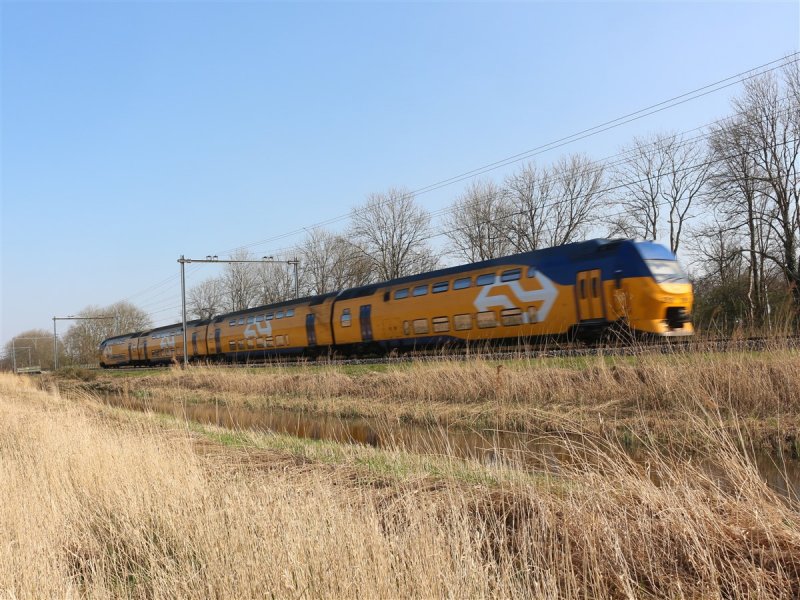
x,y
258,329
546,295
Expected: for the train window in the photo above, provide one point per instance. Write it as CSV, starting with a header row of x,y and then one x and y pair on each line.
x,y
511,316
290,312
346,320
531,272
420,290
262,343
400,294
485,279
441,324
533,314
594,287
440,287
241,344
251,343
583,289
241,320
463,283
232,323
406,328
511,275
269,341
486,319
250,320
268,317
462,322
232,345
279,314
259,318
420,325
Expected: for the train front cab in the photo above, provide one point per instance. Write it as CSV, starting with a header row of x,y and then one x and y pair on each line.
x,y
650,292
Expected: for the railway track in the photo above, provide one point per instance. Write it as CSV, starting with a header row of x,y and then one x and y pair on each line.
x,y
555,350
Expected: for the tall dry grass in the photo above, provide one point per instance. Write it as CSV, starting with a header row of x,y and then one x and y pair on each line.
x,y
102,506
522,395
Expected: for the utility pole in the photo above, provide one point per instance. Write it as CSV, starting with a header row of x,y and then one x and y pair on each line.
x,y
70,318
214,259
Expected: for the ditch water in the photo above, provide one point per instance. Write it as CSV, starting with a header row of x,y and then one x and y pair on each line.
x,y
488,446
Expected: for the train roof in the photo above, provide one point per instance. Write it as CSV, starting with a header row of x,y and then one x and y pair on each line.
x,y
574,251
311,300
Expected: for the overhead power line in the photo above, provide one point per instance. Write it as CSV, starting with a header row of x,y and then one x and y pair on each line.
x,y
582,134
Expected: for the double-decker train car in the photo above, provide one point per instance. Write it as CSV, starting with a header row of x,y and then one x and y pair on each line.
x,y
576,291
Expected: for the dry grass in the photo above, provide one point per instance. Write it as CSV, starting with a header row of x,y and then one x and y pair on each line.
x,y
626,393
93,504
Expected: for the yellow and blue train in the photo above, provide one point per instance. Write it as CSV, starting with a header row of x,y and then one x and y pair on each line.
x,y
575,291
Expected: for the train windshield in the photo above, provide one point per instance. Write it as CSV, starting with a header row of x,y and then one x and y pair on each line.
x,y
667,271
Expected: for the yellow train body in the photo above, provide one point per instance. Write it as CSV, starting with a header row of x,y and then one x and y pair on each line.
x,y
576,291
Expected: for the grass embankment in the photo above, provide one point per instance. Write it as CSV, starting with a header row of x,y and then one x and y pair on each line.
x,y
625,395
101,502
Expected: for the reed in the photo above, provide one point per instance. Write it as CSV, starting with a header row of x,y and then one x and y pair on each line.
x,y
93,504
531,395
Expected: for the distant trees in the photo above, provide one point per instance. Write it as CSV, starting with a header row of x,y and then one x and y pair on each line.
x,y
659,182
206,299
83,337
754,184
330,263
33,347
535,208
478,224
240,283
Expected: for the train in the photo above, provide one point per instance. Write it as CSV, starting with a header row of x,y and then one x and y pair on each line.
x,y
580,291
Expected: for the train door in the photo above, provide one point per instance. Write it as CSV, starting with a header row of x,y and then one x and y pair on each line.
x,y
145,357
194,343
130,354
365,320
589,291
312,334
217,342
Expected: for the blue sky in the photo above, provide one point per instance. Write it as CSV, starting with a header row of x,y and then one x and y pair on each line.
x,y
133,132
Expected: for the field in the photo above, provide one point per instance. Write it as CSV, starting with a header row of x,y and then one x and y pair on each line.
x,y
100,500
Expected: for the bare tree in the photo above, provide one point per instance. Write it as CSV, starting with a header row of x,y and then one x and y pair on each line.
x,y
662,172
33,348
738,198
717,250
530,194
83,338
478,223
551,207
239,283
330,263
206,299
273,283
640,178
391,232
578,184
686,176
772,124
